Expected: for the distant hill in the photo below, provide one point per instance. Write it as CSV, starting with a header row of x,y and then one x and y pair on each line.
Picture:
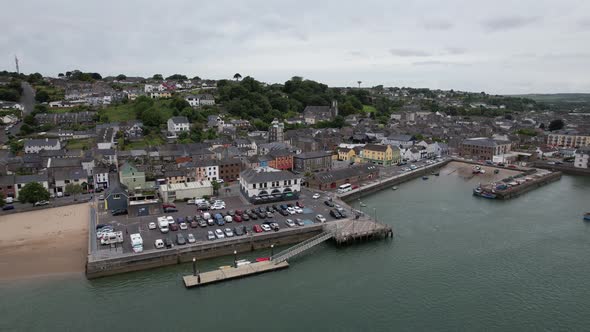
x,y
582,98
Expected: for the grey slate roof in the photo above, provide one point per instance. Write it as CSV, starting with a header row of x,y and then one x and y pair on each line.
x,y
253,176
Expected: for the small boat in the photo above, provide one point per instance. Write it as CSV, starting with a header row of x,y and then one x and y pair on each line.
x,y
437,174
262,259
363,204
496,171
425,177
394,188
483,193
587,216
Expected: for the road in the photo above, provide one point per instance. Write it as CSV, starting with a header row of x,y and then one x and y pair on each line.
x,y
27,98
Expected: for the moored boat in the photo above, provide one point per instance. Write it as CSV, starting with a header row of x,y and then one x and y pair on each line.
x,y
425,177
587,216
394,188
483,193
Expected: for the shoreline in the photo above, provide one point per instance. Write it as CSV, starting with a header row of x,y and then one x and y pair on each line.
x,y
43,243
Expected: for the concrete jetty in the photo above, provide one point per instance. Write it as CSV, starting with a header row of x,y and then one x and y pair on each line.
x,y
229,273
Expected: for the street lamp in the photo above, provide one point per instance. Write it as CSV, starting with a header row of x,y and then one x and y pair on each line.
x,y
272,250
235,258
194,266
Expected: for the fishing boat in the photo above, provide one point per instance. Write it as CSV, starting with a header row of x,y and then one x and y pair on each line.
x,y
587,216
363,204
394,188
425,177
483,193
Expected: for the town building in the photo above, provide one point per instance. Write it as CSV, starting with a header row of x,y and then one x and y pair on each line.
x,y
568,139
382,155
229,169
276,132
582,158
483,148
281,159
203,169
177,124
160,94
101,178
64,176
200,100
187,190
21,180
315,114
267,184
317,161
354,175
131,177
37,145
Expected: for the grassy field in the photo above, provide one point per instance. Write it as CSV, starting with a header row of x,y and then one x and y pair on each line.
x,y
53,92
369,109
147,141
119,113
86,143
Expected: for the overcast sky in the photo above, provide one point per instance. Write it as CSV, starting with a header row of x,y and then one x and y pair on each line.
x,y
493,46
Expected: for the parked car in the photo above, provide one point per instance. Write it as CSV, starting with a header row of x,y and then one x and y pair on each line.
x,y
180,220
231,213
237,218
180,239
210,222
228,219
245,217
203,222
183,226
291,210
298,209
170,210
299,222
257,229
152,225
119,212
299,204
329,203
253,215
41,203
159,244
275,226
290,223
228,232
168,205
320,218
238,231
219,234
239,212
173,227
265,227
316,196
194,224
189,219
334,213
168,243
191,238
284,212
210,235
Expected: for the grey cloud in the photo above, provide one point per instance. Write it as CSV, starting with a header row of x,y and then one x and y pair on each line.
x,y
404,52
455,50
508,23
584,23
439,63
438,24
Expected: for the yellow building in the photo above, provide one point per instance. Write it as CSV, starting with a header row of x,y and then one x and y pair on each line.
x,y
346,154
383,155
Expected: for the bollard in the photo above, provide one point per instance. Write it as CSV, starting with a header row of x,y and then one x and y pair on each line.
x,y
194,266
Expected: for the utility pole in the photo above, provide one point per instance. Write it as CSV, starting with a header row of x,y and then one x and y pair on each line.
x,y
16,61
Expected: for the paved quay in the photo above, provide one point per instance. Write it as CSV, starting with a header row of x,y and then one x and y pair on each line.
x,y
228,273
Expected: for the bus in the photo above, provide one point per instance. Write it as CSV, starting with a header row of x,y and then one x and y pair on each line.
x,y
344,188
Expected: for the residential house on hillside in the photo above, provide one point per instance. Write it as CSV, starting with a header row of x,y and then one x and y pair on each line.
x,y
200,100
63,177
582,159
178,124
160,94
101,178
37,145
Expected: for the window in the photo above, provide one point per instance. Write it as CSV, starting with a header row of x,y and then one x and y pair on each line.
x,y
117,196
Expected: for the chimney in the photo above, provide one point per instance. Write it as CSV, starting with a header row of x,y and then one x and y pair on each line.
x,y
335,108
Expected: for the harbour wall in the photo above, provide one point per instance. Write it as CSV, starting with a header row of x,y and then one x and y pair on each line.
x,y
528,186
100,267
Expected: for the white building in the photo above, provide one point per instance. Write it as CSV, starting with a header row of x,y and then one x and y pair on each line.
x,y
36,145
101,178
177,124
179,191
582,158
200,100
265,182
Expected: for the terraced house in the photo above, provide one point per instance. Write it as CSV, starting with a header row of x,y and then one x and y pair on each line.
x,y
382,155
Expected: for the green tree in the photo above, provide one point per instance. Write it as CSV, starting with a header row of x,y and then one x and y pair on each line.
x,y
33,192
121,77
16,146
2,200
30,120
176,77
216,186
42,96
237,76
157,77
73,189
556,125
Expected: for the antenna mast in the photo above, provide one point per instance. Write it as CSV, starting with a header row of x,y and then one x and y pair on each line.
x,y
16,61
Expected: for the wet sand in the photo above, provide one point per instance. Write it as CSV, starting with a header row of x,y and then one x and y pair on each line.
x,y
45,242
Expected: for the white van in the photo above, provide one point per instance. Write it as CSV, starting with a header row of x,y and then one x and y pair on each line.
x,y
228,219
136,242
112,237
206,216
163,224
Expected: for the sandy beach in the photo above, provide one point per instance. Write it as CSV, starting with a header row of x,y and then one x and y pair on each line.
x,y
44,242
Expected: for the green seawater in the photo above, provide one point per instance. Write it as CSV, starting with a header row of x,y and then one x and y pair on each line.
x,y
456,263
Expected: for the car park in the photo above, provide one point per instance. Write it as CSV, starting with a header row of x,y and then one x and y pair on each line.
x,y
228,232
180,239
316,196
152,225
320,218
159,244
265,227
210,235
290,223
191,238
239,212
219,234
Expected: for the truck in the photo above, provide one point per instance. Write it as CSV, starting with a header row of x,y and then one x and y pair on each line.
x,y
163,224
112,238
136,242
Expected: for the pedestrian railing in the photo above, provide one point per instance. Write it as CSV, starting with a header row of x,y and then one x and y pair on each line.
x,y
301,247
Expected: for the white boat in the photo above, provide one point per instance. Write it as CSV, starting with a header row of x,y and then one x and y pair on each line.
x,y
394,188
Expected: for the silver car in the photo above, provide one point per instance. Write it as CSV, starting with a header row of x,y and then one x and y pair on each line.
x,y
229,232
210,235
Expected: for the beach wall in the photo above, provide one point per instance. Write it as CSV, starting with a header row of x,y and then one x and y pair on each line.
x,y
99,267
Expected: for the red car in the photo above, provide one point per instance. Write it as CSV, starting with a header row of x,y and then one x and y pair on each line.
x,y
257,229
511,166
169,205
300,204
237,218
239,212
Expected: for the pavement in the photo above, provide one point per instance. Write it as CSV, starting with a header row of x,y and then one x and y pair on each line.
x,y
129,225
53,202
